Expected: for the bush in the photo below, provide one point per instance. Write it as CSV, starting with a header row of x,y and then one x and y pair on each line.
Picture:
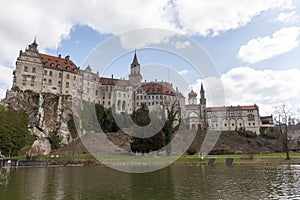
x,y
54,140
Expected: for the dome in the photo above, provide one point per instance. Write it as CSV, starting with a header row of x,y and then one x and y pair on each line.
x,y
192,94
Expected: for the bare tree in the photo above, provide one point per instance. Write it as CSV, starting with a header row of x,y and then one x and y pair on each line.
x,y
282,116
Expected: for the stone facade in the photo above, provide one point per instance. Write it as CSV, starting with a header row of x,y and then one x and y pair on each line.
x,y
43,73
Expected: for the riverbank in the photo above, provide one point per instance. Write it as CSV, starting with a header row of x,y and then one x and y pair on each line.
x,y
87,160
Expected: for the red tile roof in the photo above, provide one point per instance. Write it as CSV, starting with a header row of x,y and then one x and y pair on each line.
x,y
158,88
249,107
112,81
58,63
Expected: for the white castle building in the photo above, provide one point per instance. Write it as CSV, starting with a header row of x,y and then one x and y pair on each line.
x,y
43,73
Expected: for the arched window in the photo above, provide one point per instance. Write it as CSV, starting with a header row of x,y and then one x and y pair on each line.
x,y
119,105
123,105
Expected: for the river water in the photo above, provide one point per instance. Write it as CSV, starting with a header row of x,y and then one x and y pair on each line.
x,y
173,182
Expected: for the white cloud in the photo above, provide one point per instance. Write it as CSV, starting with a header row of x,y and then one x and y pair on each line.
x,y
212,17
52,21
182,45
282,41
266,88
5,80
183,72
288,17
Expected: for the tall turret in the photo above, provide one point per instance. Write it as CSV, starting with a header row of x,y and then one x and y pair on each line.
x,y
202,96
135,76
203,116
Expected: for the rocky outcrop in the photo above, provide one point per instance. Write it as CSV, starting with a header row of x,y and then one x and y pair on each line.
x,y
47,112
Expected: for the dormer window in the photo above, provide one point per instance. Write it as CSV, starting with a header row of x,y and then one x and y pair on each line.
x,y
57,66
68,68
51,65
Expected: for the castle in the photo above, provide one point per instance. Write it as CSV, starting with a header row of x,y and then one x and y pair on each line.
x,y
43,73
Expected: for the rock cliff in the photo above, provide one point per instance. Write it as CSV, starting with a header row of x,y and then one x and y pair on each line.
x,y
47,112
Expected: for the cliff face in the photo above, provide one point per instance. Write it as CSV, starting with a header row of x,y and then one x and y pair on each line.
x,y
47,112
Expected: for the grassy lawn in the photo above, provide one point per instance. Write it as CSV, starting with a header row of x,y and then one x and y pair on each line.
x,y
272,158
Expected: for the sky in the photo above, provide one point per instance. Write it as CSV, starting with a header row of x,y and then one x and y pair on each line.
x,y
254,45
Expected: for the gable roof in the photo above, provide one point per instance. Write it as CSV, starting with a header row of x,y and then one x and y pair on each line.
x,y
58,63
158,88
112,81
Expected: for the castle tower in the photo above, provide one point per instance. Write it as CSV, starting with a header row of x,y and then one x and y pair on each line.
x,y
192,98
202,107
135,76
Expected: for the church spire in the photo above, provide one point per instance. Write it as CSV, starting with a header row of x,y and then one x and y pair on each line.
x,y
202,96
201,90
135,60
34,41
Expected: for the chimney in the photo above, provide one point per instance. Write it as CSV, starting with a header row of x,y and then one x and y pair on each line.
x,y
112,76
67,58
155,80
59,55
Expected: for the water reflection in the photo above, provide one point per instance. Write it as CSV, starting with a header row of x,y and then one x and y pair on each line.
x,y
154,185
173,182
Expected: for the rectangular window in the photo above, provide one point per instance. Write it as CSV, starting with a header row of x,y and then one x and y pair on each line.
x,y
33,70
74,78
59,75
137,97
32,78
25,69
250,117
156,97
50,82
50,73
59,83
67,84
152,97
109,103
145,97
106,88
239,113
103,102
109,95
68,76
45,72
